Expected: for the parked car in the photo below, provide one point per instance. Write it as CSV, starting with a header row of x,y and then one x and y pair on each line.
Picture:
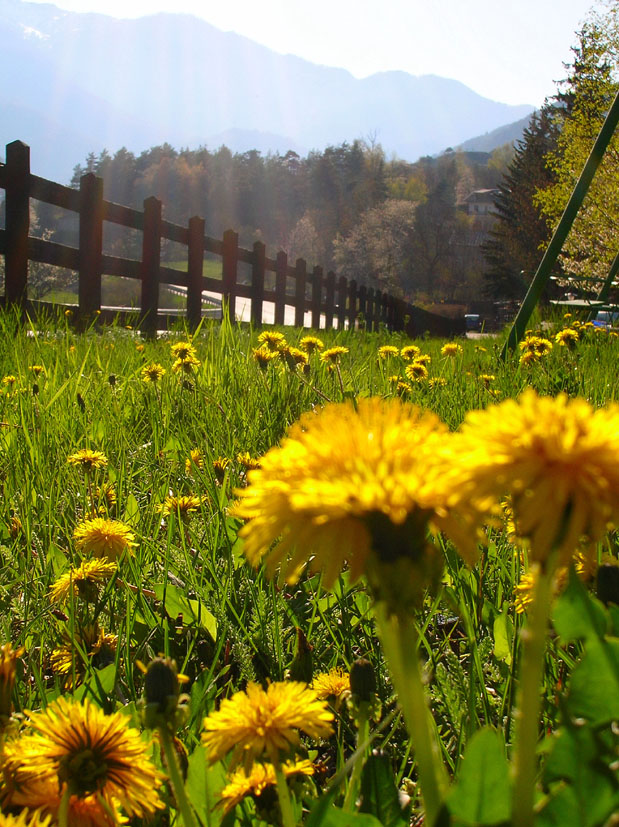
x,y
606,318
472,321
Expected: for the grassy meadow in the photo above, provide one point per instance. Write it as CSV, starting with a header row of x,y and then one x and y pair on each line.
x,y
172,442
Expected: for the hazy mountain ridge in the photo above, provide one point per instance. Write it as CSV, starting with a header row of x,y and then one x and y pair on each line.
x,y
176,78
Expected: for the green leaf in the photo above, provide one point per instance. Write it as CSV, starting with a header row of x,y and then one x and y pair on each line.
x,y
327,815
503,630
576,615
379,794
482,792
193,611
579,767
132,510
203,785
99,685
594,685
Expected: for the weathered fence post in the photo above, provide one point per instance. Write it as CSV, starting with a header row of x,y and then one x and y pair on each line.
x,y
281,274
17,224
195,265
362,295
341,301
330,300
228,274
299,293
151,261
316,296
369,311
352,304
385,309
90,246
378,309
257,282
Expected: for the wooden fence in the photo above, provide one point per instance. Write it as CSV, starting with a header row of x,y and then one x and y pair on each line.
x,y
329,300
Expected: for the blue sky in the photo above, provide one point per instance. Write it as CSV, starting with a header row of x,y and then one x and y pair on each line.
x,y
508,51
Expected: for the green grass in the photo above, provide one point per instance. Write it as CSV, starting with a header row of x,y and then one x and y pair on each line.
x,y
187,591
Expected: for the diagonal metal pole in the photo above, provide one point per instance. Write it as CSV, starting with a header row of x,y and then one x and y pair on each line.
x,y
608,282
542,275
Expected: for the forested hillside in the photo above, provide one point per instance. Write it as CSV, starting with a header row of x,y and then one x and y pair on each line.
x,y
388,223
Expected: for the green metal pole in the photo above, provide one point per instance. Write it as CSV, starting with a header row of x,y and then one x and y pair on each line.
x,y
542,275
608,283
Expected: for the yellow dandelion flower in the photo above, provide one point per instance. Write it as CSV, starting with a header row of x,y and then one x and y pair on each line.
x,y
298,356
15,527
351,487
486,378
183,350
402,388
263,356
183,506
83,581
194,460
272,340
523,592
102,537
331,356
529,357
311,344
77,746
410,352
9,380
246,461
557,458
96,644
416,371
107,494
26,818
437,382
152,373
87,460
188,365
332,684
536,344
451,349
140,348
423,359
8,662
387,351
219,467
260,722
37,369
567,337
241,784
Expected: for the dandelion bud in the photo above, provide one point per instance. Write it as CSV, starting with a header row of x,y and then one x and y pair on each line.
x,y
608,584
163,705
362,680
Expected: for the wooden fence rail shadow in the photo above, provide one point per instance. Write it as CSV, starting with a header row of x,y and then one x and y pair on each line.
x,y
330,301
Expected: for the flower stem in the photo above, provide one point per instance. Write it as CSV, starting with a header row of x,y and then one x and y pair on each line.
x,y
176,779
529,703
283,796
363,732
63,810
398,636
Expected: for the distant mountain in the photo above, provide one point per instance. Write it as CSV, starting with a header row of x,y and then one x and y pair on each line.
x,y
82,82
507,134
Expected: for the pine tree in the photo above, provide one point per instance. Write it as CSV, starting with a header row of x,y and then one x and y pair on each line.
x,y
515,246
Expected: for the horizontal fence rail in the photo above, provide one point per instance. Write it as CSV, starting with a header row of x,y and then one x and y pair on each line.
x,y
328,299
